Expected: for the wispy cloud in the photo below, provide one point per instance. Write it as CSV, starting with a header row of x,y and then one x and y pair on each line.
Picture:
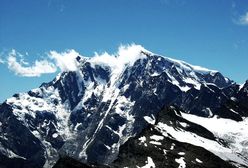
x,y
1,57
238,17
1,61
58,5
243,20
66,61
22,68
53,60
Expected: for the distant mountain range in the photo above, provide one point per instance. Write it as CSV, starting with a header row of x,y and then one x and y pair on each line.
x,y
138,109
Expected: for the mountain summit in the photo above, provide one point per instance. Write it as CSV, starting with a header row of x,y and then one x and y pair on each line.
x,y
107,103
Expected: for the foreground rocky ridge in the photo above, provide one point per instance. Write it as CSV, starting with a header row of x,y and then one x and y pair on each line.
x,y
90,113
154,147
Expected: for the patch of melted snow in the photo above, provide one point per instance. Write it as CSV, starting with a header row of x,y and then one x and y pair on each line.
x,y
181,162
149,163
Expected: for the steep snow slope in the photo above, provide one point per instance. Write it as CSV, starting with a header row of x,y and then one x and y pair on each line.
x,y
233,132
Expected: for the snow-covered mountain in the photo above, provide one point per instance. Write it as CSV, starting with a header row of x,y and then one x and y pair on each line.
x,y
91,113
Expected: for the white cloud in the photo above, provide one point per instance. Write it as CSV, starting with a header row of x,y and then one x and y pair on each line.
x,y
22,68
243,20
66,61
127,54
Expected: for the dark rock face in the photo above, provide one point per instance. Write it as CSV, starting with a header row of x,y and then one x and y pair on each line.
x,y
218,79
89,114
242,98
72,163
218,101
27,151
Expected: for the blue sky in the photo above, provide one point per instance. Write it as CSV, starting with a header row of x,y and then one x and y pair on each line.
x,y
212,34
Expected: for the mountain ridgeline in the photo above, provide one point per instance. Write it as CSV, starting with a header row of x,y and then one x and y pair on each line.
x,y
127,113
